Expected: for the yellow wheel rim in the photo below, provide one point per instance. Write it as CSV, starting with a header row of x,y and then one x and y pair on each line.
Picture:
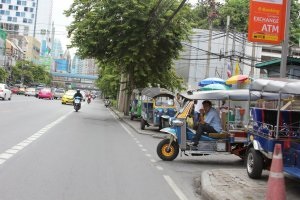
x,y
167,152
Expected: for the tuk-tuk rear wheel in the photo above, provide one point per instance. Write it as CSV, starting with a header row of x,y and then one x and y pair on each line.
x,y
165,152
254,163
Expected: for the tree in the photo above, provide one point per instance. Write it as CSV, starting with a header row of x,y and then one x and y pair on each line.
x,y
30,73
138,38
3,75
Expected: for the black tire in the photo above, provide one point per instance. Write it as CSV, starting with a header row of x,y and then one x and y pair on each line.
x,y
254,163
165,153
143,123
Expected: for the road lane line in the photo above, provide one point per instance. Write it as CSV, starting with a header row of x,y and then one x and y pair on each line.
x,y
17,148
176,189
152,160
159,168
148,155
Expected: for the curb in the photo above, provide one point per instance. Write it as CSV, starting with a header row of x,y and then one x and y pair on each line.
x,y
206,188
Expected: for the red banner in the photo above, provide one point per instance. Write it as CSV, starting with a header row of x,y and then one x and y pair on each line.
x,y
267,21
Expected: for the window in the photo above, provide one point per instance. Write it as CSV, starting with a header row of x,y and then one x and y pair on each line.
x,y
22,14
18,14
7,12
10,7
26,9
14,19
19,3
9,18
2,12
32,15
1,6
31,9
24,3
16,7
24,20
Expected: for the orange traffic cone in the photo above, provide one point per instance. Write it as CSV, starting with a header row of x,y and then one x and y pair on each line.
x,y
276,186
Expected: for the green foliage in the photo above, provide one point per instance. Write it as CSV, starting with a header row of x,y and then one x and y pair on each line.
x,y
3,75
30,72
135,37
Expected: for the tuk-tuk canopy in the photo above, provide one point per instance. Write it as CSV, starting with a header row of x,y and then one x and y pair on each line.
x,y
285,86
156,91
234,95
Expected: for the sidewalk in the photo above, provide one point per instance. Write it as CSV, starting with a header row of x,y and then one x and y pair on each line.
x,y
216,184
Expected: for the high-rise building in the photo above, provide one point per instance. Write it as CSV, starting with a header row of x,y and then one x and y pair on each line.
x,y
57,50
27,18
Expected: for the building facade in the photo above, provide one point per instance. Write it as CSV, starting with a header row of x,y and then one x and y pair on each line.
x,y
200,60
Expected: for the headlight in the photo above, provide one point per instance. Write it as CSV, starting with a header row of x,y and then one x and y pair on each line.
x,y
177,122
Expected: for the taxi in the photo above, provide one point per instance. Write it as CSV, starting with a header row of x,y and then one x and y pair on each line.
x,y
67,98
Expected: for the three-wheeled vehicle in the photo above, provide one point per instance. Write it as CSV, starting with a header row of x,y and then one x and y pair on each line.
x,y
232,139
157,107
275,122
136,105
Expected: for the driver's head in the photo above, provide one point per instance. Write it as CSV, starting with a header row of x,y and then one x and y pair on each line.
x,y
206,105
78,90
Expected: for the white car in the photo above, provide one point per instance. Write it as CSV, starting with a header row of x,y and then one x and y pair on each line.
x,y
5,92
30,92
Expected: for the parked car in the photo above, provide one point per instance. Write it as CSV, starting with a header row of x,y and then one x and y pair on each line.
x,y
30,92
14,90
5,92
37,90
58,93
68,97
21,91
45,93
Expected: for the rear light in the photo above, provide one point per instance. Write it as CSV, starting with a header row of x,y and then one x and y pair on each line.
x,y
1,90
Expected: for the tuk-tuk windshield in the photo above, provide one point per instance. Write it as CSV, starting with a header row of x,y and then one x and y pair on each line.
x,y
164,101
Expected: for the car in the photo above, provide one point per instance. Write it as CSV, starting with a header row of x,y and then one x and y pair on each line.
x,y
5,92
58,93
68,97
21,91
29,92
45,93
14,90
37,90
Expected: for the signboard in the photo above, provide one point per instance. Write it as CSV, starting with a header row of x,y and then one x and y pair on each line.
x,y
267,21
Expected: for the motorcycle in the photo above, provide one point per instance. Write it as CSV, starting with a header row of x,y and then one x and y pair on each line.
x,y
89,100
77,103
106,103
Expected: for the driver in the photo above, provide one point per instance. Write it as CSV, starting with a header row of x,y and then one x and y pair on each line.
x,y
211,123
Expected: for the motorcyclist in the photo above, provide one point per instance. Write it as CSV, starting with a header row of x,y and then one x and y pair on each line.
x,y
78,94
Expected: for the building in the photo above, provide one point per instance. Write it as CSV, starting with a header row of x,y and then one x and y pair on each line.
x,y
57,50
32,49
3,35
18,17
198,61
27,18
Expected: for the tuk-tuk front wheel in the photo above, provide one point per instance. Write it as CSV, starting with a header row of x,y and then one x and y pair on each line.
x,y
165,152
254,163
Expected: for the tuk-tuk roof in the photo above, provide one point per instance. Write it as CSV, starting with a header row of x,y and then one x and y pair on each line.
x,y
235,95
286,86
156,91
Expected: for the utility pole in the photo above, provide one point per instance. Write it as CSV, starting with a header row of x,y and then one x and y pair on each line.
x,y
285,44
211,16
36,12
252,60
232,50
226,46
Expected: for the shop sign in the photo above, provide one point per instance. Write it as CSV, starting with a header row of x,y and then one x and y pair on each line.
x,y
267,21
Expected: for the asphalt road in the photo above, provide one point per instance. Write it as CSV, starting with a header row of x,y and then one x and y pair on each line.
x,y
48,151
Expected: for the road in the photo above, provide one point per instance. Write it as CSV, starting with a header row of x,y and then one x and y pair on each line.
x,y
48,151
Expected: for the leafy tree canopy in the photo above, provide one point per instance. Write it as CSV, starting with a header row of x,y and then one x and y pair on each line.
x,y
3,75
136,37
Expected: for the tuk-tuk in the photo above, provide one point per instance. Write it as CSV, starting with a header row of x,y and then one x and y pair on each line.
x,y
274,120
157,107
232,140
135,110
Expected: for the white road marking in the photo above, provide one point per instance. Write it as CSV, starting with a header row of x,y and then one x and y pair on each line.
x,y
174,187
171,183
144,149
15,149
148,155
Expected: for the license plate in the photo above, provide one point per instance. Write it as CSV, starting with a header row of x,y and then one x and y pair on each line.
x,y
77,101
